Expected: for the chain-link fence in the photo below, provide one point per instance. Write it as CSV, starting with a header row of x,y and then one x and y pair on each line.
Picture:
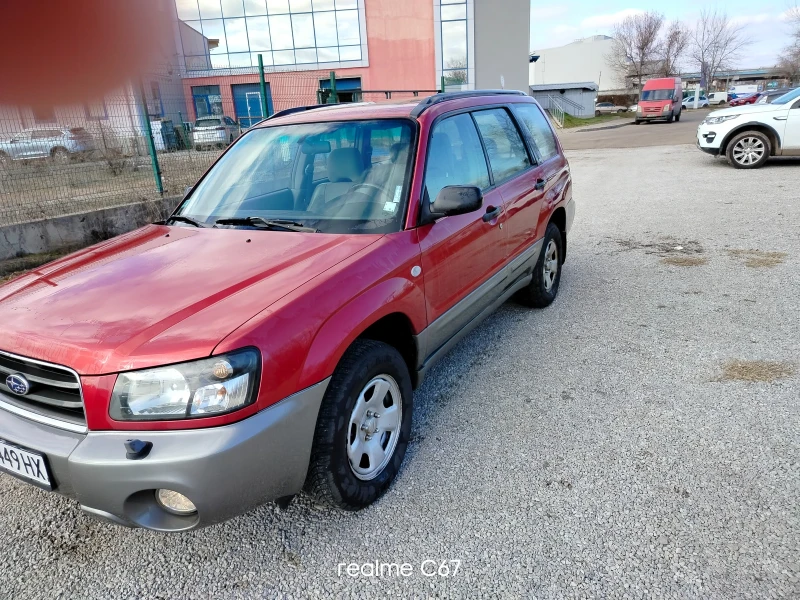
x,y
148,139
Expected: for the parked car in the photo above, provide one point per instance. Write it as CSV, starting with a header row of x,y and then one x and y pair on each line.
x,y
60,144
284,313
744,99
688,102
607,108
214,132
717,98
749,135
769,96
660,100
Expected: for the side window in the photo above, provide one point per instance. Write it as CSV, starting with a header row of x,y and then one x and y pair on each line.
x,y
455,156
537,125
504,146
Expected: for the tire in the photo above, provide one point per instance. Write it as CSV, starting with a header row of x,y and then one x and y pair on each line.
x,y
637,122
670,118
748,150
597,113
332,478
5,161
543,289
620,111
60,156
678,117
197,148
231,140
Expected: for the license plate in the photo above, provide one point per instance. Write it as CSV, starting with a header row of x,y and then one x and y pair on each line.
x,y
30,466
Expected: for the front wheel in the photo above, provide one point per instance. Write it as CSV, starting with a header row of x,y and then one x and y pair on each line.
x,y
543,288
597,113
677,117
363,427
670,118
748,150
60,156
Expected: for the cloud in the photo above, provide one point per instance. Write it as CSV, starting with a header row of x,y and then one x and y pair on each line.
x,y
544,13
564,29
609,20
753,19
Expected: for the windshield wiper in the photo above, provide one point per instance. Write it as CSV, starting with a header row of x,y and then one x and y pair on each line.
x,y
183,219
267,224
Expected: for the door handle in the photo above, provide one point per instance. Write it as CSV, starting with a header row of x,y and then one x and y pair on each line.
x,y
540,183
492,212
780,118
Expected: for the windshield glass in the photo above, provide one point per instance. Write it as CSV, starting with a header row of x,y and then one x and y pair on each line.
x,y
206,122
347,177
787,97
657,94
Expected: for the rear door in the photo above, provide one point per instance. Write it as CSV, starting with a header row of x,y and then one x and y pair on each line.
x,y
462,255
514,175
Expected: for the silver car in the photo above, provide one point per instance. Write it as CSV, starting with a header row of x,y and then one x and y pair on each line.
x,y
214,132
608,108
57,143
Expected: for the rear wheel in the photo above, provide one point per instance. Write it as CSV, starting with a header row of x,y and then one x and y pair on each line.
x,y
363,427
60,156
597,113
620,111
543,288
748,150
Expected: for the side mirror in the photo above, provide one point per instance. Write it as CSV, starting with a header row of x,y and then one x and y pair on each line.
x,y
456,200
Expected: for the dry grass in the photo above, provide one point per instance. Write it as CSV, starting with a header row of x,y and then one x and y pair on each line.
x,y
685,261
756,370
663,246
756,259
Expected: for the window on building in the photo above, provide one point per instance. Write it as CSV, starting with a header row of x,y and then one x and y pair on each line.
x,y
454,42
44,114
221,34
207,100
455,156
504,146
538,127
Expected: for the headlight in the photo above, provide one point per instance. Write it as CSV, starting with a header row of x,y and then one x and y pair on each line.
x,y
718,120
201,388
667,108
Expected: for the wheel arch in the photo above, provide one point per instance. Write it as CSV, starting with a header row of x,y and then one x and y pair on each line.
x,y
559,219
55,149
770,132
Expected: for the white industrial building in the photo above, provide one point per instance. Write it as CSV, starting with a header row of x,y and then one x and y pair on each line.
x,y
584,60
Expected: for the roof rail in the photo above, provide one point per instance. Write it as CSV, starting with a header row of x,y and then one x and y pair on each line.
x,y
443,97
296,109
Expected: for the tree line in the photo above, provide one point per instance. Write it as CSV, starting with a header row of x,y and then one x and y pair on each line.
x,y
646,45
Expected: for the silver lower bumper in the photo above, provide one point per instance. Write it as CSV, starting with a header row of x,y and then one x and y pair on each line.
x,y
224,471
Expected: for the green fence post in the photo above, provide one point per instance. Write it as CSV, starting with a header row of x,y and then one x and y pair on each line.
x,y
442,84
151,146
263,84
333,98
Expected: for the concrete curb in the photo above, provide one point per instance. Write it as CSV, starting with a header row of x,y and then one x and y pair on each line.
x,y
79,230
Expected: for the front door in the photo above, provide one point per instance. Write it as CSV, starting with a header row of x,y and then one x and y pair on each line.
x,y
462,255
791,134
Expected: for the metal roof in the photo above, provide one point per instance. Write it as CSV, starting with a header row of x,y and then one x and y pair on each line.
x,y
585,85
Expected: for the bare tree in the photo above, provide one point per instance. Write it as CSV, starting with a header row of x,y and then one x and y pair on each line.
x,y
789,60
715,43
635,46
672,49
456,71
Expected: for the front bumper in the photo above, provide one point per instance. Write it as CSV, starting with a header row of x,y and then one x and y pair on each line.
x,y
224,471
709,139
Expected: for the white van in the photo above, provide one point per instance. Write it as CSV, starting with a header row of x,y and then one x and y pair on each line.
x,y
718,98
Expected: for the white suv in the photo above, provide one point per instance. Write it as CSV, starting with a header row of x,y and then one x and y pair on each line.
x,y
749,135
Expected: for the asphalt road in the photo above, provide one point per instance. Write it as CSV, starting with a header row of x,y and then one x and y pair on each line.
x,y
657,133
602,447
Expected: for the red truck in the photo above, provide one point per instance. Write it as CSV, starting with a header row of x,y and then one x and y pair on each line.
x,y
267,336
660,99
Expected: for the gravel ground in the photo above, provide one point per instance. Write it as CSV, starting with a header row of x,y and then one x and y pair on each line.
x,y
592,449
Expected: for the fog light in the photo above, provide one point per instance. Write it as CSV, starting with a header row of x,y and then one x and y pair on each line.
x,y
175,503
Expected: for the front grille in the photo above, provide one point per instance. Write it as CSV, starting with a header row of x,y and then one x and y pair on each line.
x,y
55,391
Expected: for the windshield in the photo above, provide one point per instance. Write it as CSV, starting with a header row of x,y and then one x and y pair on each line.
x,y
347,177
787,97
657,94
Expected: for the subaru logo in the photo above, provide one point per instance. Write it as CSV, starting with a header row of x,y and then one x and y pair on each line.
x,y
18,384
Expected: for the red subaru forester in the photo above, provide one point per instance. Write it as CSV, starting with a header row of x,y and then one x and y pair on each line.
x,y
267,337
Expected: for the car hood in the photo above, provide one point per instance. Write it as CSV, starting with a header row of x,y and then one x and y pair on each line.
x,y
747,109
159,294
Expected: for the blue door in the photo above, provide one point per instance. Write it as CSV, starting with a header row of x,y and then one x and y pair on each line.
x,y
247,104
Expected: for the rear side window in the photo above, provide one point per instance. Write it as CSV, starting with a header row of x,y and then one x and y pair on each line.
x,y
454,156
507,154
538,127
43,134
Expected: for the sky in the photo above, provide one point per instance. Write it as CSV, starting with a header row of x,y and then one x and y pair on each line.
x,y
556,24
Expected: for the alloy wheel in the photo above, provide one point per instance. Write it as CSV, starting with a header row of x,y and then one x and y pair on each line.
x,y
374,427
550,265
748,151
